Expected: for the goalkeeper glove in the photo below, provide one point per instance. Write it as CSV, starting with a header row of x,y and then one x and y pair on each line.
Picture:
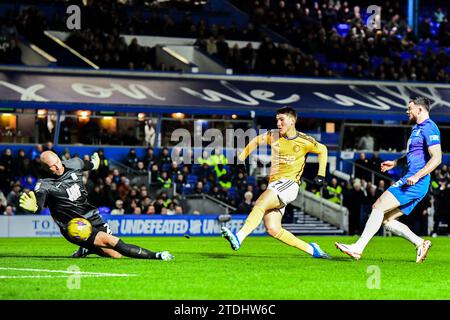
x,y
95,159
319,181
28,202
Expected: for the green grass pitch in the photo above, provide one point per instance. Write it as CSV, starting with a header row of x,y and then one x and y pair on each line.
x,y
206,268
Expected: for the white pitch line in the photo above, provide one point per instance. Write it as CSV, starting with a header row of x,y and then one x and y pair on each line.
x,y
101,274
51,276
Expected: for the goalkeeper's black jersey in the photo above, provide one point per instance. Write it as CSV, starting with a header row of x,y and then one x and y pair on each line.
x,y
66,195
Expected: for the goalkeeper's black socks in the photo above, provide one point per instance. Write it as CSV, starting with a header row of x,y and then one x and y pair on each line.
x,y
132,251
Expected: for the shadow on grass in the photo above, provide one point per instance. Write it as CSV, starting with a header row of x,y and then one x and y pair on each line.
x,y
247,256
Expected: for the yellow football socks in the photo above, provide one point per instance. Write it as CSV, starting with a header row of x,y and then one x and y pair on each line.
x,y
288,238
253,220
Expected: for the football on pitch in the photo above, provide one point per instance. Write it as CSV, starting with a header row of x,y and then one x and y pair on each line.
x,y
79,229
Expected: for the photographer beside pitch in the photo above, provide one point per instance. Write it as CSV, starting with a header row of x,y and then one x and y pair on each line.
x,y
423,155
66,196
289,151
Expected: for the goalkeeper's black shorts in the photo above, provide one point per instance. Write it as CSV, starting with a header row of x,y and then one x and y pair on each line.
x,y
98,224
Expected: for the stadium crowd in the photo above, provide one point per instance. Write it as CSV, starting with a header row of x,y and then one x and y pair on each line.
x,y
322,38
335,34
154,184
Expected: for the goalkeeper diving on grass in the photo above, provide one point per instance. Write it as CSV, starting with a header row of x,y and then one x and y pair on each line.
x,y
65,194
289,150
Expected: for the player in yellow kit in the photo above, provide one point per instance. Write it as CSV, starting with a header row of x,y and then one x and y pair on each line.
x,y
289,151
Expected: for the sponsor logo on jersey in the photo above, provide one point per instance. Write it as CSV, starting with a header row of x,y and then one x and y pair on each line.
x,y
286,159
74,176
296,148
74,192
434,137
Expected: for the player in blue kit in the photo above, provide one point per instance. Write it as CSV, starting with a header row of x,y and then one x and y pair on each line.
x,y
423,156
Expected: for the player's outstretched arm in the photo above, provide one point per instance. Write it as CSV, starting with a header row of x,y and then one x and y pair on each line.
x,y
253,144
92,164
388,165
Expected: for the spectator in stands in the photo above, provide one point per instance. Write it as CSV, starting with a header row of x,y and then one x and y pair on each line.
x,y
149,134
115,176
246,206
140,169
164,181
218,193
159,204
91,133
223,177
149,158
164,159
36,152
28,182
66,155
198,188
354,202
95,192
170,210
124,187
240,183
441,193
110,192
334,191
362,164
151,209
263,187
13,196
178,210
154,174
49,146
174,170
6,169
375,162
366,142
132,159
179,182
137,210
103,168
9,211
145,204
22,164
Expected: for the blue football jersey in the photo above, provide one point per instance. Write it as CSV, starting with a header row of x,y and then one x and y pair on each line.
x,y
423,136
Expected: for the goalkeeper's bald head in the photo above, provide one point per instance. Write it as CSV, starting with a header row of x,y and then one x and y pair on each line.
x,y
52,162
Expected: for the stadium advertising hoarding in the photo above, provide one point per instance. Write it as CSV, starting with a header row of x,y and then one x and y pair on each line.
x,y
153,92
128,225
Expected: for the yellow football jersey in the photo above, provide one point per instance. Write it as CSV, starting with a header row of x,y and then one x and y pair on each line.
x,y
288,154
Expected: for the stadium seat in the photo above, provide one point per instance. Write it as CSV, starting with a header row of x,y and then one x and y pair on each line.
x,y
192,179
104,210
187,189
166,167
251,180
232,193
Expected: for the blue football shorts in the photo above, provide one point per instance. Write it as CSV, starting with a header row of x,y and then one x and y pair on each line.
x,y
410,196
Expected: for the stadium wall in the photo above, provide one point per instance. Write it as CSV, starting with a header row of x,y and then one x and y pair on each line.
x,y
32,226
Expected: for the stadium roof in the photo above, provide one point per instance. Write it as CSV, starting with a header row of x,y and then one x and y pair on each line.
x,y
212,94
